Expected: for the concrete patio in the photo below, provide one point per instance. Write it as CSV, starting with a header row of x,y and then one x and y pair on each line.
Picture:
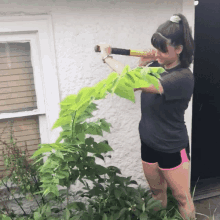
x,y
207,199
209,207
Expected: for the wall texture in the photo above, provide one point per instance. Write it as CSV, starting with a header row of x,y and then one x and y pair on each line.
x,y
78,26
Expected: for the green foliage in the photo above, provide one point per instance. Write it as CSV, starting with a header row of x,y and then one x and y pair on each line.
x,y
70,162
111,196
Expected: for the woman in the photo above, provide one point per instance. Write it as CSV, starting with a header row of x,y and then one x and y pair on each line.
x,y
163,134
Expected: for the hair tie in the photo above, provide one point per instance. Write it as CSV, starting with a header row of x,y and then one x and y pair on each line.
x,y
175,19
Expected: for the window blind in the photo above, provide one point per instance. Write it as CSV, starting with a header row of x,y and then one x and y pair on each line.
x,y
17,91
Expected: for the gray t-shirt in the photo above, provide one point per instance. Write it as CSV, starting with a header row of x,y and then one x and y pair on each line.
x,y
162,126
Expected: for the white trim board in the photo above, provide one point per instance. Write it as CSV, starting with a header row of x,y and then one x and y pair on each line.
x,y
38,31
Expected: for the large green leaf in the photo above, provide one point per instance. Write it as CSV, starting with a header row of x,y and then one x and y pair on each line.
x,y
54,189
87,113
93,129
144,216
101,89
62,121
60,175
104,217
92,107
80,132
105,125
124,91
59,139
122,212
156,71
117,193
83,107
49,164
41,151
84,115
65,133
99,156
111,77
69,100
101,147
84,95
71,157
37,216
48,211
77,206
65,111
152,203
59,154
118,80
74,175
89,141
131,77
67,214
150,79
100,170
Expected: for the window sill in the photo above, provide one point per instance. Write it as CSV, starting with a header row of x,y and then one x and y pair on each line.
x,y
21,114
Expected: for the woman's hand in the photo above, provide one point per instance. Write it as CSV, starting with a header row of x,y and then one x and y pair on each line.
x,y
105,50
145,60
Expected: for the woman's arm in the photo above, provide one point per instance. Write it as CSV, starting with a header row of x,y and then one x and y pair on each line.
x,y
118,67
144,61
114,64
152,89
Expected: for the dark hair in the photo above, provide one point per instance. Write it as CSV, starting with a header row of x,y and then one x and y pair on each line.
x,y
178,34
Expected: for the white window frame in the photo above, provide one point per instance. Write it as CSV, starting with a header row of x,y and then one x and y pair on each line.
x,y
37,73
38,30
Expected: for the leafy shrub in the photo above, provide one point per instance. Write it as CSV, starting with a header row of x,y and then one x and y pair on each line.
x,y
111,196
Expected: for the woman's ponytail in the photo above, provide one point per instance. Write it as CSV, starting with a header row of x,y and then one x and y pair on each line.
x,y
187,55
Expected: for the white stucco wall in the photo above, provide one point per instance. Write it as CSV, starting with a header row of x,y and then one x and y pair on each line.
x,y
78,26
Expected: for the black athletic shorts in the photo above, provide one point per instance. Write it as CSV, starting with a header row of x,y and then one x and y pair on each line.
x,y
165,160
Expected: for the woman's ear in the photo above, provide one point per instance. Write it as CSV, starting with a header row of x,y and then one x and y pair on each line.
x,y
179,49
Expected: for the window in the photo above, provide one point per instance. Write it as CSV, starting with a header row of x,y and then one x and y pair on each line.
x,y
29,92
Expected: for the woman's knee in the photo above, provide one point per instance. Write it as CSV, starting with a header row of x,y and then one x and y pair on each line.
x,y
182,197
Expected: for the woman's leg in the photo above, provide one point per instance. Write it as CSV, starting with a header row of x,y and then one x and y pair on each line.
x,y
156,182
178,180
155,179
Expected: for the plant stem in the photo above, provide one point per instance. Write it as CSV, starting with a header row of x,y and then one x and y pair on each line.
x,y
14,197
35,199
35,180
73,123
67,195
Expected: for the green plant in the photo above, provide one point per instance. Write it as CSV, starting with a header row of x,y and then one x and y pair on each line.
x,y
21,176
19,171
68,161
111,197
75,109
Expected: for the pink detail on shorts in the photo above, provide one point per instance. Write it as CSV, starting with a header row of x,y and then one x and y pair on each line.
x,y
184,159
